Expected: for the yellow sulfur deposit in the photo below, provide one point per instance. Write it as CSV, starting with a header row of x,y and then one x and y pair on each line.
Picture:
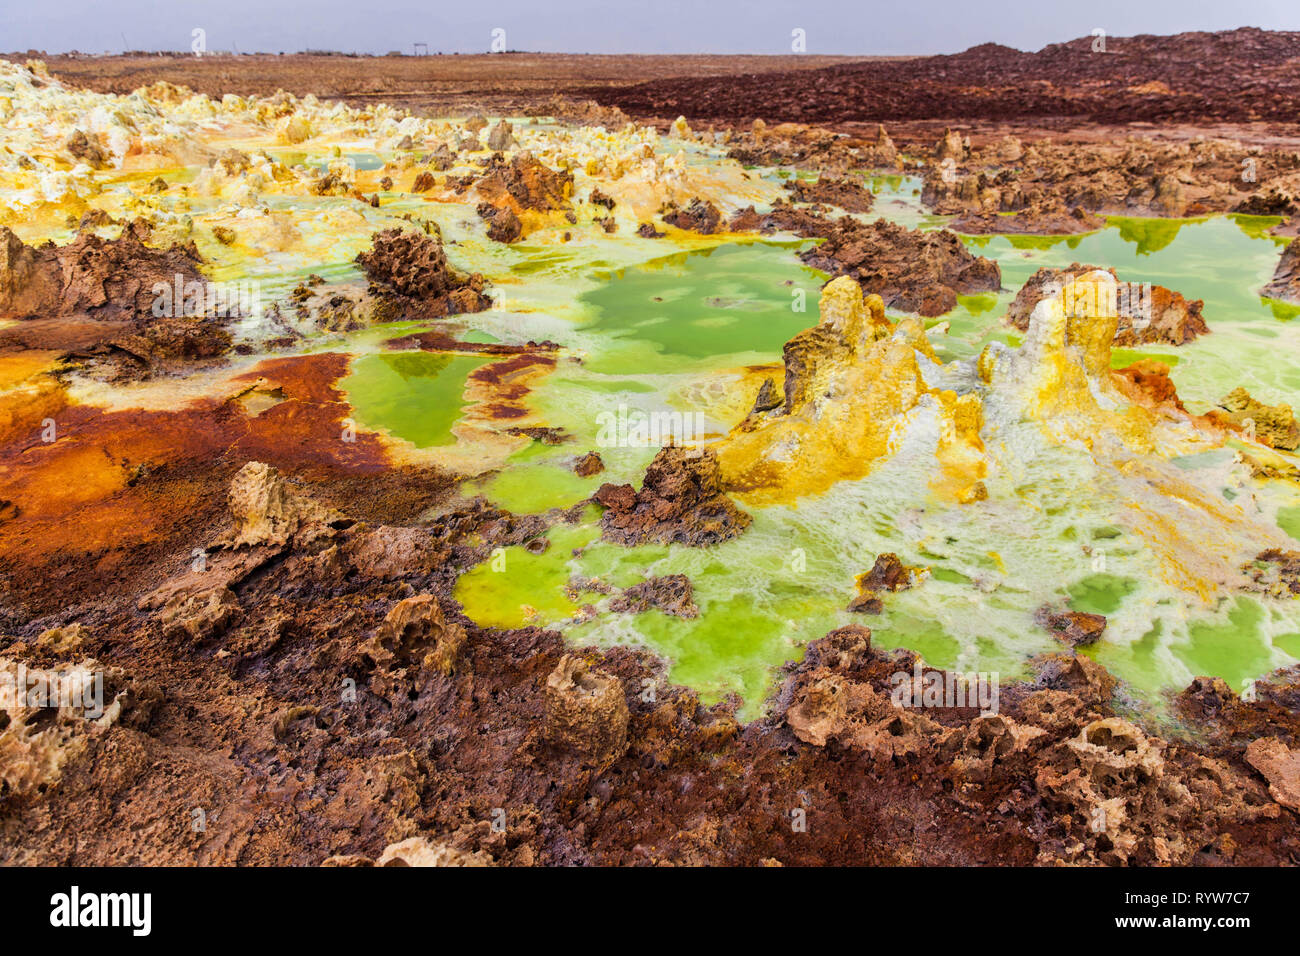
x,y
857,387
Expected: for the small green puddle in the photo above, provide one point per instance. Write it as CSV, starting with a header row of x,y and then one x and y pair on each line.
x,y
730,300
1288,519
515,587
528,488
1234,650
416,396
1100,593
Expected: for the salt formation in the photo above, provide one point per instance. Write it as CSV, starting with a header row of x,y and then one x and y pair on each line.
x,y
860,391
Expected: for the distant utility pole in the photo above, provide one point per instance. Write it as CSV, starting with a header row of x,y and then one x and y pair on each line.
x,y
421,49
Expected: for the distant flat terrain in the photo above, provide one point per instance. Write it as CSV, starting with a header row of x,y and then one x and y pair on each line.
x,y
499,81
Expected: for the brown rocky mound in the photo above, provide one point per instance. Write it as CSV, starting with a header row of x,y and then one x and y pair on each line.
x,y
912,271
1050,219
411,269
1046,187
99,300
1075,628
1164,316
887,574
512,188
805,147
680,502
1147,382
1286,278
671,593
699,216
851,195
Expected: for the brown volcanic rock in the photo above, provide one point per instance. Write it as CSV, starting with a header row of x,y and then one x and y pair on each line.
x,y
1275,572
108,279
415,633
1147,382
699,216
1051,218
887,574
503,224
96,298
1075,628
681,501
811,147
411,268
671,593
1234,76
586,712
87,149
525,184
1062,188
1280,766
1286,278
512,189
851,195
1173,319
912,271
589,464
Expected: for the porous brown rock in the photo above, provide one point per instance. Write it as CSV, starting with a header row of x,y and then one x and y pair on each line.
x,y
100,299
415,632
1042,185
851,195
888,573
1050,217
87,149
49,719
503,225
501,137
588,465
950,146
1147,381
524,183
586,712
681,501
671,593
700,216
1141,800
1280,766
1075,628
421,851
1285,284
912,271
267,511
411,269
820,711
812,147
1275,572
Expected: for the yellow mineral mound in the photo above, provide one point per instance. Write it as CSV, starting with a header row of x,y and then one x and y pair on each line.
x,y
859,388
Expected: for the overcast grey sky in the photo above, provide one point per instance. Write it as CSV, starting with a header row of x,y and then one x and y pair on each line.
x,y
588,26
